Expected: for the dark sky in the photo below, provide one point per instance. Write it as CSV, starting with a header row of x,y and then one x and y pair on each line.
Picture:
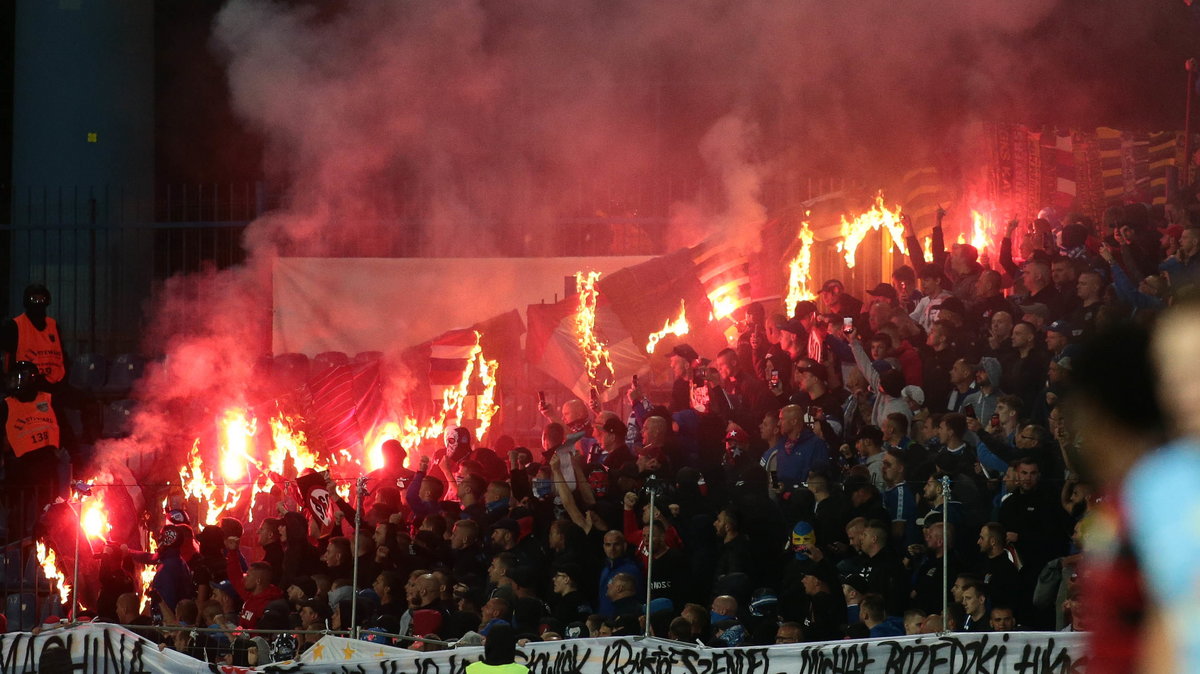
x,y
1090,62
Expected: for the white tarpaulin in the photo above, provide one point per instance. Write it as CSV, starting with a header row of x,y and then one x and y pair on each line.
x,y
104,648
386,304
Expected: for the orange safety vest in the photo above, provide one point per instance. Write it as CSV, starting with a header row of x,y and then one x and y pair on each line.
x,y
41,347
31,425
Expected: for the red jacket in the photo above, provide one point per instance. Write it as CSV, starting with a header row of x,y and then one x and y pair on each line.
x,y
253,605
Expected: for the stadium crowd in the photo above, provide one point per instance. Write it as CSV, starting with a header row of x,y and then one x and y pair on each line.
x,y
812,482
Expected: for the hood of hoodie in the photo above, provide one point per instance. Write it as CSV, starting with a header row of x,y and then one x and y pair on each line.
x,y
992,367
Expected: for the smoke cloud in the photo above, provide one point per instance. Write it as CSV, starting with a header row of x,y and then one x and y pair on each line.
x,y
462,127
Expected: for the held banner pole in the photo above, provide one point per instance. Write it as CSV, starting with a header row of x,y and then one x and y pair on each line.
x,y
649,560
945,553
359,490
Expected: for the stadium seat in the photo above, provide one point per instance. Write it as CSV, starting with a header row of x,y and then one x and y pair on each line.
x,y
118,419
290,370
88,372
124,370
364,357
21,611
327,360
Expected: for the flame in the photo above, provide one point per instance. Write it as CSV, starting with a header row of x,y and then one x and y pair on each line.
x,y
595,353
725,300
290,454
486,406
800,271
147,576
411,433
927,251
237,429
94,521
677,327
982,229
879,217
49,563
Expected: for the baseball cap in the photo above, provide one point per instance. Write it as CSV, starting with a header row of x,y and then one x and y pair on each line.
x,y
885,290
793,326
737,435
1061,327
913,392
614,426
686,352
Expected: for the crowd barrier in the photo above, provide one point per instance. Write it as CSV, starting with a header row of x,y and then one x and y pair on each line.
x,y
95,647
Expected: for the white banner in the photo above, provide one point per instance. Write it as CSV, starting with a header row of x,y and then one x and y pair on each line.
x,y
104,648
382,304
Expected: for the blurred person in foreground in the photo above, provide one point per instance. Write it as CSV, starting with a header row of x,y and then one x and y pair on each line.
x,y
1114,408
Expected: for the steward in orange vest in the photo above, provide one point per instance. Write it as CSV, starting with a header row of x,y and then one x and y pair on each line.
x,y
31,429
33,336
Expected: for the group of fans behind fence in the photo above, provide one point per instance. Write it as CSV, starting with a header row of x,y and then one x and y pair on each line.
x,y
809,482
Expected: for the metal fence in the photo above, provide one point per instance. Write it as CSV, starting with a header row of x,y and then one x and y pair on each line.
x,y
105,251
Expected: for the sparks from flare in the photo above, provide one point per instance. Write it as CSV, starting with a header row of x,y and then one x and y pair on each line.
x,y
677,327
799,271
878,217
596,359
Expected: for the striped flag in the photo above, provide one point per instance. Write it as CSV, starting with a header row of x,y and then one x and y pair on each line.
x,y
449,354
347,401
1162,150
724,272
1059,165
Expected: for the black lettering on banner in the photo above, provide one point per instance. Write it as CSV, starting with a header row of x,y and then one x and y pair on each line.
x,y
851,658
623,657
569,659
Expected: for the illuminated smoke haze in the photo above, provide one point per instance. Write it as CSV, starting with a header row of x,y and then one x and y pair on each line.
x,y
465,126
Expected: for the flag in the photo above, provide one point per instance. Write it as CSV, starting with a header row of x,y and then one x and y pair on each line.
x,y
724,272
347,402
317,500
1162,151
1059,169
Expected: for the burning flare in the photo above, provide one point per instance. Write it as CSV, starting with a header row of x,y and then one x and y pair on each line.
x,y
94,520
677,327
49,563
800,271
725,300
237,429
596,359
879,217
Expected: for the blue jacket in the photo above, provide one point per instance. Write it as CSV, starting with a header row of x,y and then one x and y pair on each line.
x,y
796,459
611,568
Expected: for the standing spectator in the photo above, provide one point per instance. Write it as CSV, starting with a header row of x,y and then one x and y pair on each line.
x,y
616,561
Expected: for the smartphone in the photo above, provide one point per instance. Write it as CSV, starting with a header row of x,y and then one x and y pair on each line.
x,y
969,411
595,394
542,398
848,324
635,381
995,419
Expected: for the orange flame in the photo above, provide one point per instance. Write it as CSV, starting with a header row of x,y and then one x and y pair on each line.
x,y
595,353
879,217
411,433
237,428
799,271
486,407
982,229
94,521
288,442
927,251
49,563
147,576
677,327
725,300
